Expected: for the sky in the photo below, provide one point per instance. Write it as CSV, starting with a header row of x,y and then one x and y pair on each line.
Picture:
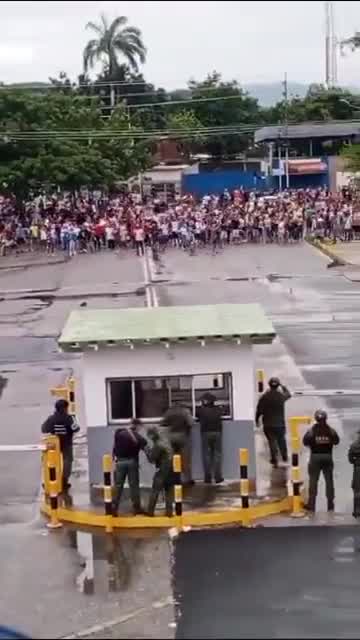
x,y
246,41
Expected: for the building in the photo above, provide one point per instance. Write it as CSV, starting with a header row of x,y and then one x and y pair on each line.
x,y
312,149
137,362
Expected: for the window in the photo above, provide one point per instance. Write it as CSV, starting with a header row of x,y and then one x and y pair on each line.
x,y
149,398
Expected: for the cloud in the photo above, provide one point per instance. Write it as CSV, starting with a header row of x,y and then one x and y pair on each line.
x,y
16,54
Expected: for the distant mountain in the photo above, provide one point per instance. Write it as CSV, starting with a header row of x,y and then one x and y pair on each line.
x,y
269,94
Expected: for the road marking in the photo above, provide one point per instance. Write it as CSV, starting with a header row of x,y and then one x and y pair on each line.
x,y
151,277
99,628
147,281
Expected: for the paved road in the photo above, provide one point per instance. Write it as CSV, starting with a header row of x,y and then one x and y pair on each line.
x,y
268,583
315,311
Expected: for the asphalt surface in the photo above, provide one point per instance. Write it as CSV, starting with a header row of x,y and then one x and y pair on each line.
x,y
268,583
315,311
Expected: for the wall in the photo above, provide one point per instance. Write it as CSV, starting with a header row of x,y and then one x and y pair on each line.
x,y
217,181
152,360
236,434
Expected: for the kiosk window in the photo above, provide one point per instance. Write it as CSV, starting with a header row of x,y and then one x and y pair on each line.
x,y
149,398
120,400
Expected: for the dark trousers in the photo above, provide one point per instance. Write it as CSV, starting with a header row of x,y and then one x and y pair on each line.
x,y
127,468
320,463
139,247
276,438
161,484
67,465
211,448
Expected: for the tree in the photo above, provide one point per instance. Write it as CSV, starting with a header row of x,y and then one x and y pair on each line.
x,y
319,104
229,106
114,40
56,139
353,42
187,125
351,154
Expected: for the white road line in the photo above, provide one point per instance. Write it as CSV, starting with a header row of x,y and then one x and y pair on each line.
x,y
100,628
151,277
147,281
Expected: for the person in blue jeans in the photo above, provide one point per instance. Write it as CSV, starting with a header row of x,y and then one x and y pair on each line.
x,y
127,445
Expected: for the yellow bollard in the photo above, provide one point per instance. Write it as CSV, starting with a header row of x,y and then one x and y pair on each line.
x,y
297,511
260,376
294,423
52,460
71,395
107,470
178,492
244,484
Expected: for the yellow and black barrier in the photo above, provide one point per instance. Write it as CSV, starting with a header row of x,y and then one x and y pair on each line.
x,y
108,505
178,490
294,423
52,464
244,477
260,378
67,392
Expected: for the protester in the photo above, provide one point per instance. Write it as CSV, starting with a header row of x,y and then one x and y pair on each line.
x,y
89,223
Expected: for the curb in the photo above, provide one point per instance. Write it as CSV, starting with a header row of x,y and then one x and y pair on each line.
x,y
28,265
330,253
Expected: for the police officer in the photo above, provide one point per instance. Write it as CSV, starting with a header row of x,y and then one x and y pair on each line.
x,y
64,426
354,459
321,439
160,454
210,419
179,423
127,445
271,408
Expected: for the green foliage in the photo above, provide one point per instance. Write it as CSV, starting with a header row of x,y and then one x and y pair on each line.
x,y
45,141
351,155
238,109
114,40
319,104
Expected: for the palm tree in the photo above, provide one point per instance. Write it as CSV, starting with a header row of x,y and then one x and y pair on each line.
x,y
114,40
353,42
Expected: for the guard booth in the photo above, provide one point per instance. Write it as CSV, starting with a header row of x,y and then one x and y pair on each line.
x,y
138,362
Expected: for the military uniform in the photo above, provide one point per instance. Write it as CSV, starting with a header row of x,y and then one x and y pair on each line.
x,y
354,459
179,422
127,446
321,439
160,454
271,408
210,419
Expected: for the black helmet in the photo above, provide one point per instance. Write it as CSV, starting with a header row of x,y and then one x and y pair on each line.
x,y
208,398
61,405
274,383
320,415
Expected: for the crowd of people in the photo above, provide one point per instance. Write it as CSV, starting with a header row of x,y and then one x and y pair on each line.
x,y
94,222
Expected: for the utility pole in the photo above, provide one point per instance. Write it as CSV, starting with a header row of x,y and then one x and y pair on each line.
x,y
331,46
286,130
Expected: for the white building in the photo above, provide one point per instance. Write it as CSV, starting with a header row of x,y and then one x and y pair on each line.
x,y
137,362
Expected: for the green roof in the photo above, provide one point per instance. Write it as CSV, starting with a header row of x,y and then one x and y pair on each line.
x,y
109,326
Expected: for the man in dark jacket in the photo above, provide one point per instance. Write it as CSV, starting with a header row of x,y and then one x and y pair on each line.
x,y
127,445
321,439
160,454
64,426
271,408
179,422
210,419
354,459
